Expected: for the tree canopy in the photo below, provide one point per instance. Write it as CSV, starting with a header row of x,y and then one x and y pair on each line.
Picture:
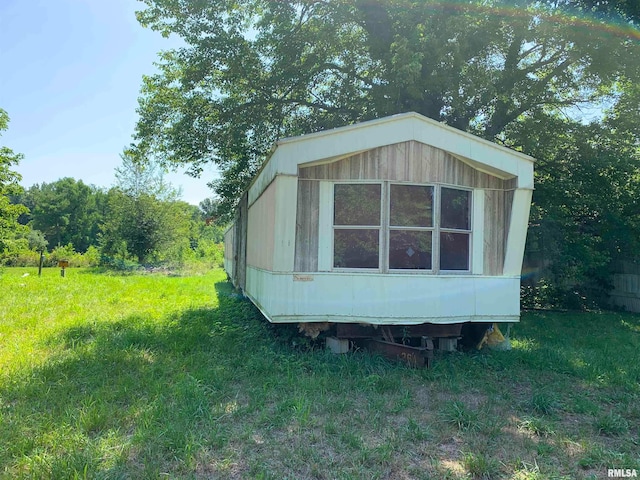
x,y
144,219
65,211
9,186
253,71
523,73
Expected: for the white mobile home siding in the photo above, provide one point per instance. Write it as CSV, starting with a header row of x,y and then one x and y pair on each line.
x,y
289,271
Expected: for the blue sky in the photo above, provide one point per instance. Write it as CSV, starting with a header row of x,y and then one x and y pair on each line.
x,y
70,75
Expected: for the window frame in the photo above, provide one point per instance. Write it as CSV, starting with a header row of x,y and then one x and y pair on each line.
x,y
385,228
379,228
468,231
390,227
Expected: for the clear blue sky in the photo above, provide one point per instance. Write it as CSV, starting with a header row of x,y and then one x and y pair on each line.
x,y
70,75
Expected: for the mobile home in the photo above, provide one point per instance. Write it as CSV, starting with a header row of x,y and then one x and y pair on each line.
x,y
396,221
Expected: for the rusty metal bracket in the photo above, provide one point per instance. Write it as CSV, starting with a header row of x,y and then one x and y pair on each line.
x,y
386,334
416,357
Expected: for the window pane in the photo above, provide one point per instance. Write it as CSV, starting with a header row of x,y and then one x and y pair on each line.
x,y
454,251
455,206
356,204
355,248
411,206
409,249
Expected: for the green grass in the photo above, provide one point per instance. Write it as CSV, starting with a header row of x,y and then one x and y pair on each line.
x,y
150,376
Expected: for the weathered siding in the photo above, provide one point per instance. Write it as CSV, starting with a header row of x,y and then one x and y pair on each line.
x,y
404,162
394,163
228,251
240,244
508,206
307,221
494,232
260,232
626,286
398,299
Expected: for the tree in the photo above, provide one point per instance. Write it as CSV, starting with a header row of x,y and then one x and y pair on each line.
x,y
254,71
212,224
9,186
66,211
37,241
144,218
586,211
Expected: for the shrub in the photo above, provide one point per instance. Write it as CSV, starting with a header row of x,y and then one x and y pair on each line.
x,y
212,252
59,253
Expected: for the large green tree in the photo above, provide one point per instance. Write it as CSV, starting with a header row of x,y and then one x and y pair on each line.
x,y
586,207
252,71
144,219
518,72
66,211
9,186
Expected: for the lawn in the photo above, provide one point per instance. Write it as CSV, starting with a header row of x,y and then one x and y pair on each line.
x,y
154,376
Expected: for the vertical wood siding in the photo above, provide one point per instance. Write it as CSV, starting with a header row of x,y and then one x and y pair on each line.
x,y
228,251
403,162
495,232
508,203
307,221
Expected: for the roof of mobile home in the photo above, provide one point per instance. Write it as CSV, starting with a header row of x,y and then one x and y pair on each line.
x,y
331,145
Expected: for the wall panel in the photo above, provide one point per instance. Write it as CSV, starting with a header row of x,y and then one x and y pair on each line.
x,y
404,162
261,229
494,232
307,221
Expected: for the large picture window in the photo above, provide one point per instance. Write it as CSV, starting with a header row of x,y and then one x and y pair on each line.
x,y
401,227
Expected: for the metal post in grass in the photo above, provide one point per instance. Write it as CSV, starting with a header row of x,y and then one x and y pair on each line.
x,y
63,264
40,263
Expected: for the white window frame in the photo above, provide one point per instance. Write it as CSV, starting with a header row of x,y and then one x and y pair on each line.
x,y
326,219
455,230
388,227
379,227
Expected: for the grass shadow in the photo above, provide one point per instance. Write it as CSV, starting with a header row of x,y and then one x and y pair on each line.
x,y
221,393
142,396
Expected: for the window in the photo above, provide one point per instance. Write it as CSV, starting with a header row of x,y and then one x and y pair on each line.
x,y
356,220
410,227
394,227
455,228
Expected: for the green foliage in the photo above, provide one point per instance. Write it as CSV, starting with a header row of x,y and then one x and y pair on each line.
x,y
611,424
37,241
23,256
585,214
144,220
9,186
151,375
214,224
536,426
252,72
214,252
20,257
544,402
60,253
481,467
462,417
66,211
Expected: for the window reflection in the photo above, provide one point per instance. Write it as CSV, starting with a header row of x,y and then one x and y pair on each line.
x,y
455,208
355,248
